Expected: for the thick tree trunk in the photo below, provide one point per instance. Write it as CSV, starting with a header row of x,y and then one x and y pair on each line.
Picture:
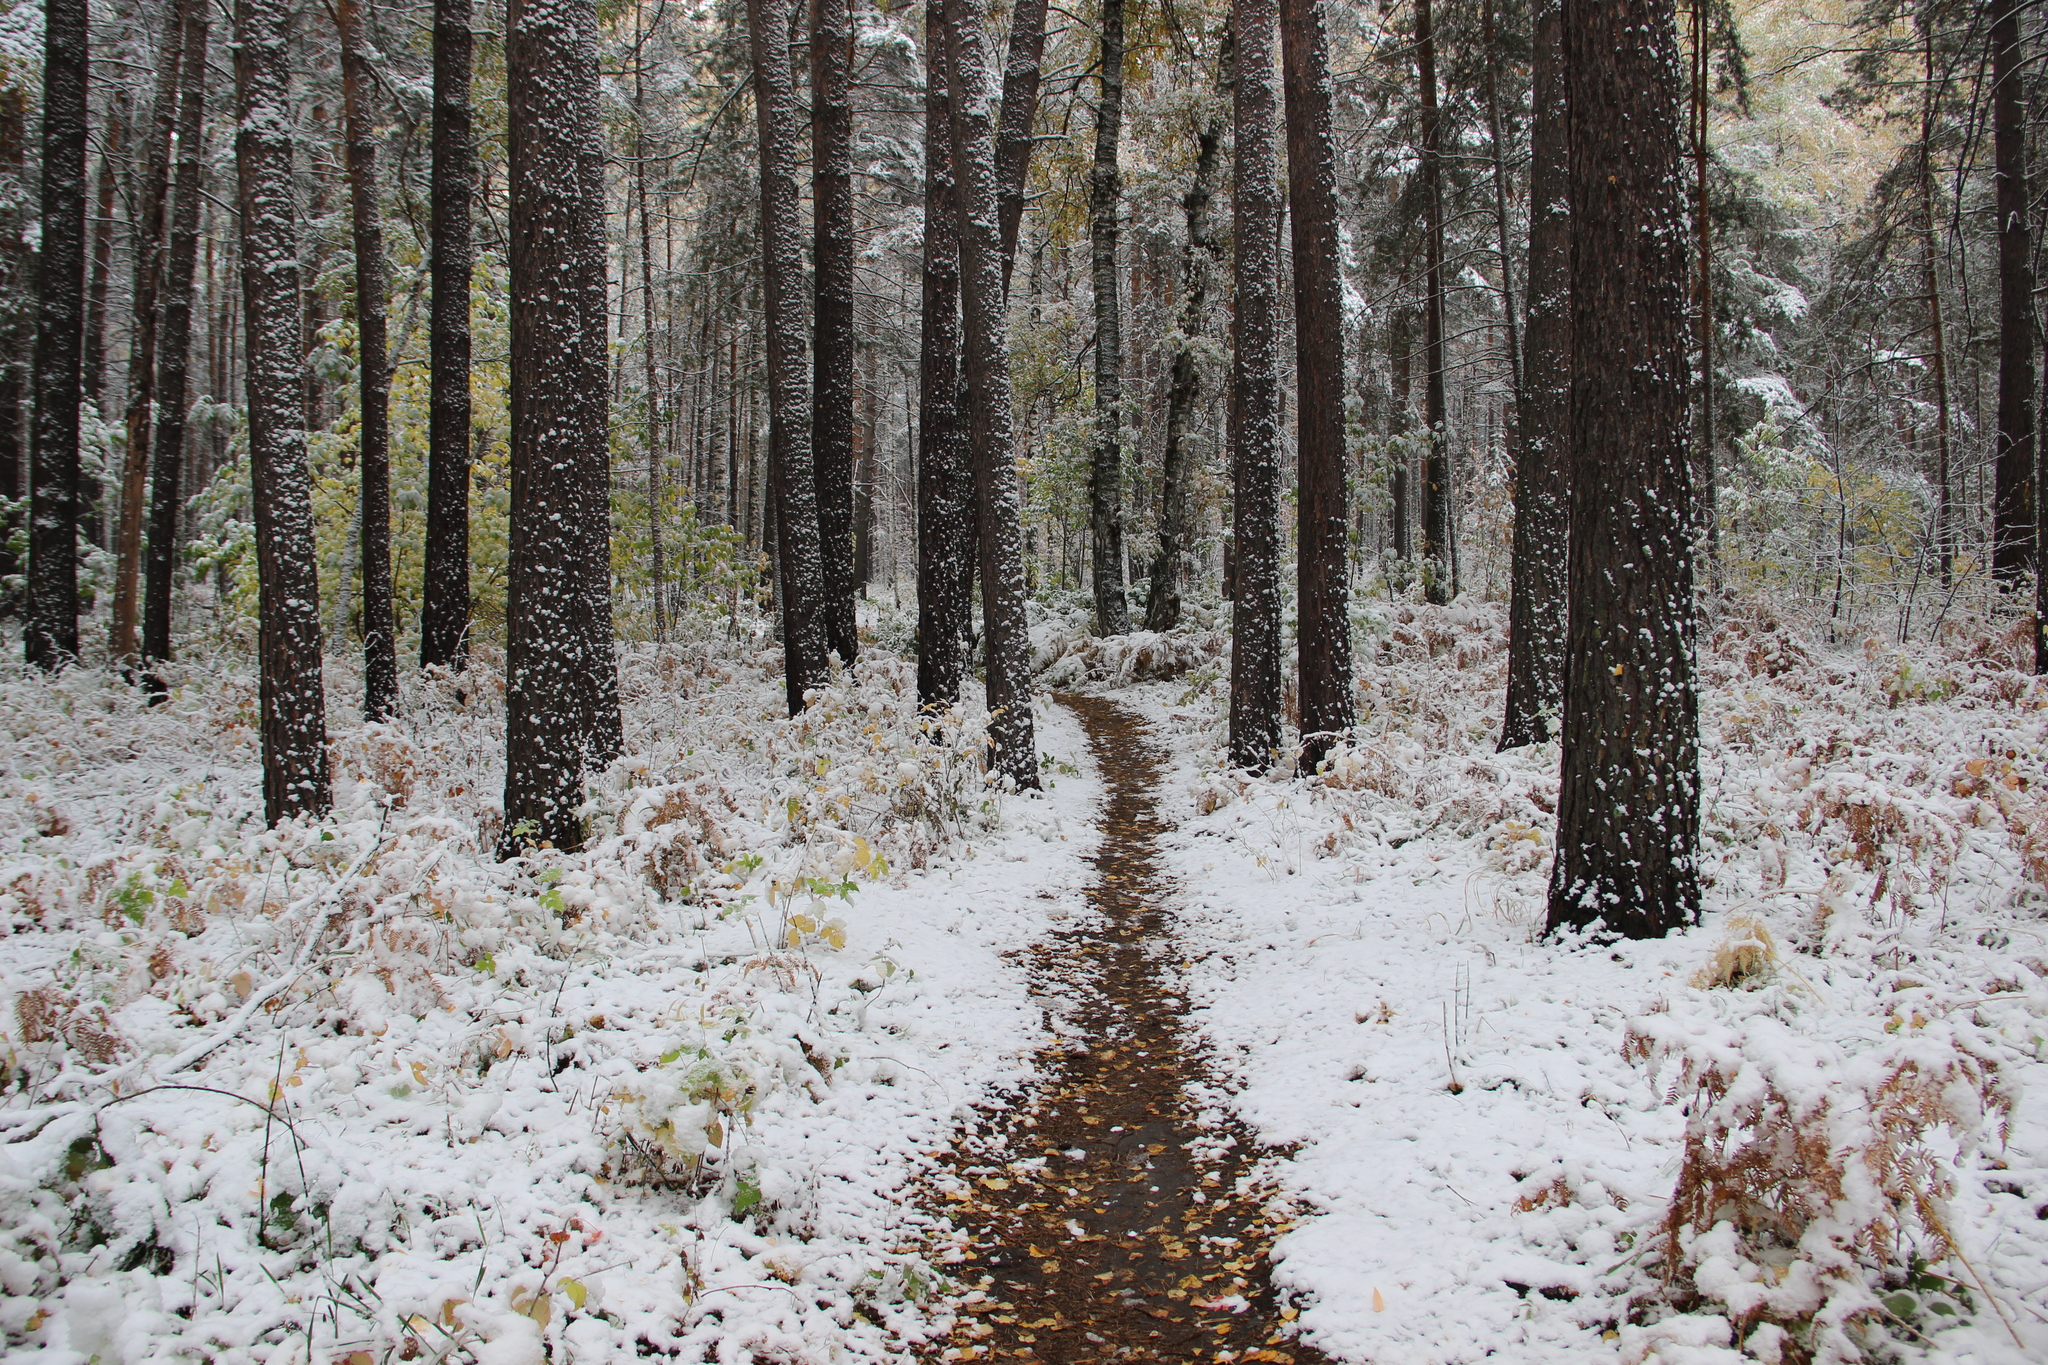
x,y
556,692
373,367
173,387
1162,606
444,612
2014,501
15,284
1439,571
1322,585
293,704
832,361
1536,605
986,364
1255,664
146,248
1707,527
1105,466
945,473
1021,73
799,576
50,633
1628,809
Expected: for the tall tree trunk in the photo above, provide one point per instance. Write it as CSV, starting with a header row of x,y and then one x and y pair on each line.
x,y
1703,476
865,461
50,633
444,612
583,127
1255,664
945,473
15,284
173,387
1021,73
652,429
832,361
1536,607
986,363
2014,502
1628,808
1400,384
791,470
152,184
1439,574
373,304
1162,606
1930,281
1105,466
1322,585
112,148
554,696
1497,137
293,704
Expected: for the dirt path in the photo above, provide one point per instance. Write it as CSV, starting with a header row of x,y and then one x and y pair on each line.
x,y
1106,1223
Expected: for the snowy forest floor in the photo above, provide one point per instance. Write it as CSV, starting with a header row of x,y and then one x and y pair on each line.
x,y
356,1092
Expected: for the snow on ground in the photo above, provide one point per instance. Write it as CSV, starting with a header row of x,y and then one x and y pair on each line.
x,y
1489,1126
668,1094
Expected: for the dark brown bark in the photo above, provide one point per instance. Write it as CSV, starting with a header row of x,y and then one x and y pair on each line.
x,y
1930,281
293,705
1439,573
1322,585
15,288
50,633
2013,505
1254,561
799,577
1105,465
173,386
1628,810
1021,73
373,366
1707,527
832,360
1536,606
112,147
986,365
444,612
556,668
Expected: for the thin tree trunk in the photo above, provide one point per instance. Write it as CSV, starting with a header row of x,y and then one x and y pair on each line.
x,y
1496,134
293,704
792,471
1254,569
985,361
1536,607
554,695
1628,808
866,401
112,147
1021,73
1105,467
1930,280
653,394
50,633
1400,383
2014,502
832,361
444,611
1439,574
15,282
173,387
1322,585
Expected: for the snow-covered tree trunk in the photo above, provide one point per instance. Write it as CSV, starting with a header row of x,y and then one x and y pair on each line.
x,y
799,578
50,631
1255,665
1022,70
292,699
1439,570
1628,805
444,612
1105,465
832,360
1536,602
373,368
13,280
985,360
2013,509
1322,585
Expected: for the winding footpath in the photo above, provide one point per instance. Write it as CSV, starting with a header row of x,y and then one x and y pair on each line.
x,y
1105,1219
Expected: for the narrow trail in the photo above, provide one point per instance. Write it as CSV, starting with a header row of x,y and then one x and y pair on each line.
x,y
1105,1222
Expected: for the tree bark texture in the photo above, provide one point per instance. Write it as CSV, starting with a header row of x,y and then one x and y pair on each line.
x,y
444,612
832,360
292,700
799,577
15,284
1321,584
985,362
1401,386
2013,459
1021,73
146,250
373,368
50,632
1438,568
1255,665
113,140
174,351
1628,811
1105,466
945,472
555,723
1536,602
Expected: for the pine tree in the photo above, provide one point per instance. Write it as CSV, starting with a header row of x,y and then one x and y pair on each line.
x,y
832,360
1021,75
2012,514
444,613
1105,469
1439,568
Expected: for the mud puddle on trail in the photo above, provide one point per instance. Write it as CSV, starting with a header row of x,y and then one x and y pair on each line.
x,y
1103,1222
